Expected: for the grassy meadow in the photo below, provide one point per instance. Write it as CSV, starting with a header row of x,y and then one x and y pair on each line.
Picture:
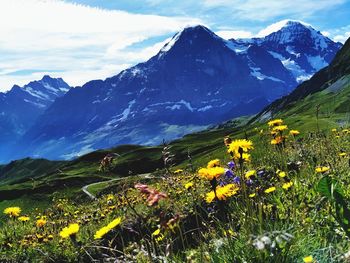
x,y
273,192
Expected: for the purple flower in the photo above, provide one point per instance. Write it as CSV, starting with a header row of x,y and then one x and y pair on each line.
x,y
237,180
231,165
249,182
229,174
222,183
261,173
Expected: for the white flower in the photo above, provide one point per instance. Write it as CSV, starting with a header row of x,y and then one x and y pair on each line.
x,y
266,240
258,244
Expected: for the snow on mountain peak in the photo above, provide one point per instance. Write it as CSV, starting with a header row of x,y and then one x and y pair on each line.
x,y
188,34
280,25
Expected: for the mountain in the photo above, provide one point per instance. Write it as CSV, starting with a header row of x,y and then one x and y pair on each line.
x,y
21,106
301,49
328,90
196,80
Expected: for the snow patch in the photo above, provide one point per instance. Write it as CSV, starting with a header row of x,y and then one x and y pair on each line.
x,y
35,103
170,44
290,50
317,62
257,74
208,107
125,113
36,93
236,47
279,25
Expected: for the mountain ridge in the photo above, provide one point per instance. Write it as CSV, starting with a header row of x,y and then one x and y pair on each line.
x,y
196,80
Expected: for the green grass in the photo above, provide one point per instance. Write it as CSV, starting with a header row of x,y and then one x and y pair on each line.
x,y
298,221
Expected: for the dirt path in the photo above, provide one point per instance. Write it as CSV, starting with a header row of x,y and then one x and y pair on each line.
x,y
91,196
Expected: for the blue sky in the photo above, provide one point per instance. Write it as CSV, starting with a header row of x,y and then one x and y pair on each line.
x,y
81,40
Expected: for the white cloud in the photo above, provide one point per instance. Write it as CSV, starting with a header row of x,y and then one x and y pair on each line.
x,y
342,38
79,42
325,33
228,34
338,34
269,9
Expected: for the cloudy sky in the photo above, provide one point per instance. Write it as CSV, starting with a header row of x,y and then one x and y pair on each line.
x,y
81,40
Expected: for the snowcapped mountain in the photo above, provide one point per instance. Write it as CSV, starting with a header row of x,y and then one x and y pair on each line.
x,y
302,50
196,80
21,106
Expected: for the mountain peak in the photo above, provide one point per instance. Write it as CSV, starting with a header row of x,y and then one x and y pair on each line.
x,y
286,24
191,35
47,78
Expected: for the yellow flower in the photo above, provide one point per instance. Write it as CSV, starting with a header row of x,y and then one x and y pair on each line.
x,y
287,185
281,173
322,169
277,140
275,122
157,235
294,132
280,128
250,174
245,156
244,144
41,222
334,130
104,230
270,190
156,232
211,173
342,154
13,211
71,230
308,259
252,195
110,197
178,171
188,185
222,192
213,163
23,218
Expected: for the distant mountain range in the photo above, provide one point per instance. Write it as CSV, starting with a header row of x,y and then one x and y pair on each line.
x,y
21,106
196,80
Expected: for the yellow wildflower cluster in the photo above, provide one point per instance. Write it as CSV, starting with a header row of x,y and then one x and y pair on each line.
x,y
287,185
188,185
104,230
294,132
41,222
239,149
13,211
211,173
222,192
275,122
24,218
69,231
158,236
213,163
250,174
322,169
